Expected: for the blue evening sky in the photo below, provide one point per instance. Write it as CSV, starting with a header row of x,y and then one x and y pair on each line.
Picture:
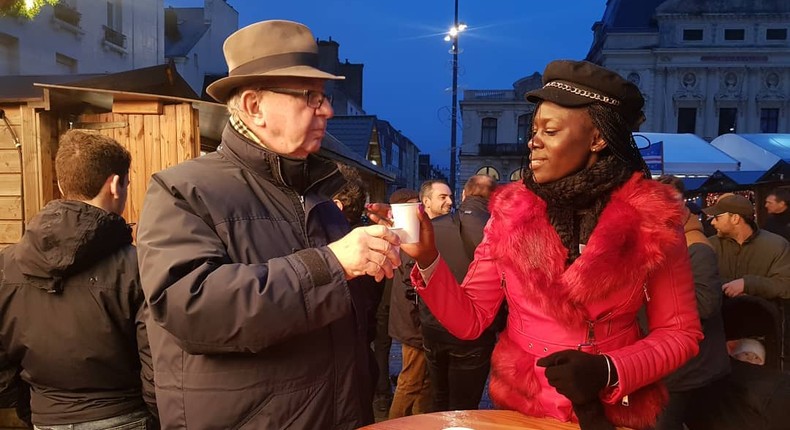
x,y
408,73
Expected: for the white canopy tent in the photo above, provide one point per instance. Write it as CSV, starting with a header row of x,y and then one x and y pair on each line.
x,y
755,151
688,154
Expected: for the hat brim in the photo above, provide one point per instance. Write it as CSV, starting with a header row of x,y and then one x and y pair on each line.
x,y
713,210
558,96
221,89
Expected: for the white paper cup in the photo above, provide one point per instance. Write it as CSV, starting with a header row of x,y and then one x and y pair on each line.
x,y
405,222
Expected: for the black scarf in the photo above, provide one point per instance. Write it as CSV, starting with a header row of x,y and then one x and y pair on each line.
x,y
575,202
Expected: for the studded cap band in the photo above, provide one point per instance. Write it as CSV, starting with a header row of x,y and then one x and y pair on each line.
x,y
582,92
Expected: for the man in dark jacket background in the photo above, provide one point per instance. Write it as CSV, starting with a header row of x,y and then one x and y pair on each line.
x,y
245,260
73,319
458,368
413,391
778,214
695,388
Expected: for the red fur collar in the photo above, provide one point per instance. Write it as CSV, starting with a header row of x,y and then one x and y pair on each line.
x,y
623,248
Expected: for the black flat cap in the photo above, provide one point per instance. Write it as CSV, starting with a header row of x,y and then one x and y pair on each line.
x,y
580,83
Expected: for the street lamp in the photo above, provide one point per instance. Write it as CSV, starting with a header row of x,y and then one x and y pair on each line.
x,y
452,36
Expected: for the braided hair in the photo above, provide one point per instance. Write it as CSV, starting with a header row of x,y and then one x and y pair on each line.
x,y
616,131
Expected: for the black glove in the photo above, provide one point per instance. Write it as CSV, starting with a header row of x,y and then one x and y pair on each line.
x,y
592,417
577,375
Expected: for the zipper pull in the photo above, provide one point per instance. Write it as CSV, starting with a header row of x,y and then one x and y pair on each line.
x,y
625,401
647,296
502,284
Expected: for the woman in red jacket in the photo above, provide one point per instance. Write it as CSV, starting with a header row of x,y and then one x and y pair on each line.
x,y
576,250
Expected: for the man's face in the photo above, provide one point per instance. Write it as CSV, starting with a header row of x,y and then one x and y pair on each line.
x,y
774,206
723,223
288,125
439,200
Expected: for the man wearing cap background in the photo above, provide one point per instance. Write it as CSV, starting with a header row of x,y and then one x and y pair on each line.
x,y
244,258
751,260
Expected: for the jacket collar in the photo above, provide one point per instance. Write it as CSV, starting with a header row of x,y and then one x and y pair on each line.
x,y
270,165
67,237
625,246
474,203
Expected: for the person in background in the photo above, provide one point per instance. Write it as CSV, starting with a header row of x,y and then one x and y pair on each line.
x,y
459,368
436,197
778,221
73,319
246,261
413,390
573,250
751,260
698,384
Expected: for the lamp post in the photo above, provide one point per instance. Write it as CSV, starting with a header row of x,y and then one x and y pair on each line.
x,y
452,36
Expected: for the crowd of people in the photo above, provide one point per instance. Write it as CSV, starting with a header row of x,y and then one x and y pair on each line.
x,y
265,290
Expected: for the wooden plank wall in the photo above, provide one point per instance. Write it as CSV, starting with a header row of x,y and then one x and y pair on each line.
x,y
10,178
155,142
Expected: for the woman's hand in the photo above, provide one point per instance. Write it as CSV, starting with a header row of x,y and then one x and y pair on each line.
x,y
423,252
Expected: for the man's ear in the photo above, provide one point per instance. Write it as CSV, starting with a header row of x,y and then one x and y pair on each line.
x,y
115,186
250,104
338,203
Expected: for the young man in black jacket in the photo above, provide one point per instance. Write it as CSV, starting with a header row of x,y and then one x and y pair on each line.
x,y
73,319
458,369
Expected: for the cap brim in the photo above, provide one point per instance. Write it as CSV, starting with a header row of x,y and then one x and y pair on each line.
x,y
220,89
558,96
713,210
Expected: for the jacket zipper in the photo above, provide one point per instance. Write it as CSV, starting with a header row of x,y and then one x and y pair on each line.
x,y
644,288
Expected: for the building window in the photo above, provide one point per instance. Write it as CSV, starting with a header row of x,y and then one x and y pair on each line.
x,y
65,64
517,175
734,34
776,34
489,171
9,55
727,117
488,135
687,120
692,34
769,120
115,15
523,129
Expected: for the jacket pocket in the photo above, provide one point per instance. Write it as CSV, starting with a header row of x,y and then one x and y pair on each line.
x,y
286,407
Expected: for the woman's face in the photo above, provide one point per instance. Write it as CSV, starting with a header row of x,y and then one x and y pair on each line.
x,y
564,141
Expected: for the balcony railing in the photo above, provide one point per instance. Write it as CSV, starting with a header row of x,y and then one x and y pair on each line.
x,y
502,149
67,14
115,37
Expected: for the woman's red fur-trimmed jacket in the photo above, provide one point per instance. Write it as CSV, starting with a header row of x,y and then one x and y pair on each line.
x,y
635,256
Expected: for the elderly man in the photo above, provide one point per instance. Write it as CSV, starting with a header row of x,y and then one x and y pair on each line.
x,y
751,261
245,260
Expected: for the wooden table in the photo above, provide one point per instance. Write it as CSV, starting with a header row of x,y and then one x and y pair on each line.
x,y
472,420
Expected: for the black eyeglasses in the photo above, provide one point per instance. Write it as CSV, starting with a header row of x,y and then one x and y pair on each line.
x,y
314,98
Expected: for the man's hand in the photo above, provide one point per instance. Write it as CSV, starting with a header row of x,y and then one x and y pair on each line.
x,y
371,250
733,288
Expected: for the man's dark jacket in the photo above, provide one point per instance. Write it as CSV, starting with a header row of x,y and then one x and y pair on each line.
x,y
457,235
779,224
252,320
72,316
